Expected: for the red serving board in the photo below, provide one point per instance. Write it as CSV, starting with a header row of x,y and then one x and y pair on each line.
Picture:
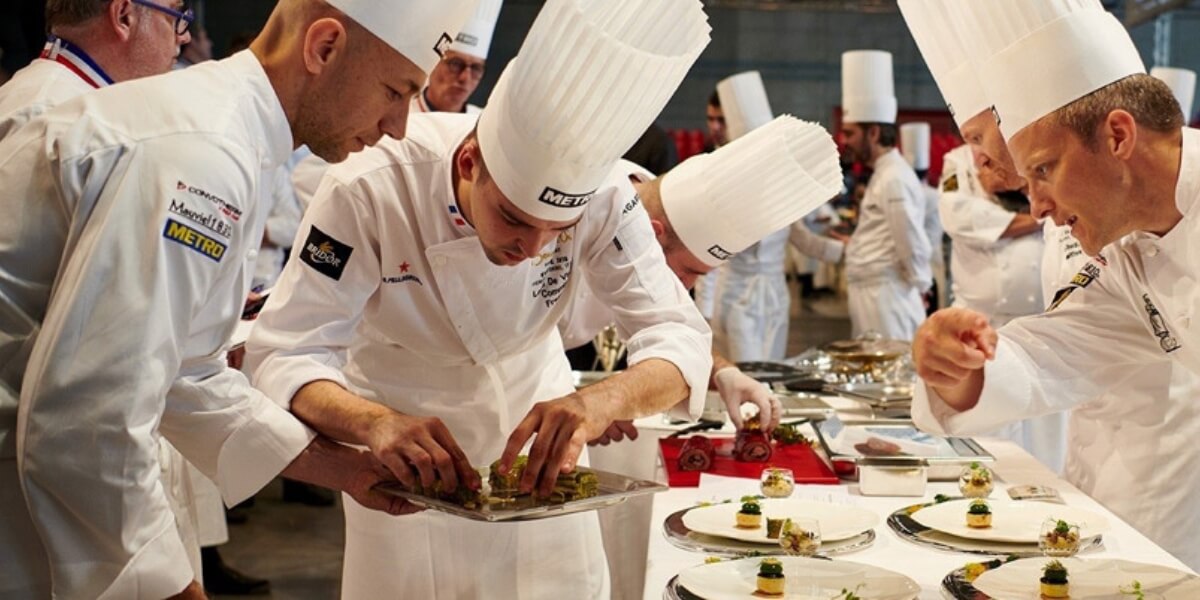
x,y
806,466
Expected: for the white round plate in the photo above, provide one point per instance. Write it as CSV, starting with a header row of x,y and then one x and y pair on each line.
x,y
806,578
838,521
1011,521
1089,578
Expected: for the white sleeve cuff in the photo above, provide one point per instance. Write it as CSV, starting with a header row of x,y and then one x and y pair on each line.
x,y
259,450
687,349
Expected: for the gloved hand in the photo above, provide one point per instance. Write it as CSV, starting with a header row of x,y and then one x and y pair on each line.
x,y
737,388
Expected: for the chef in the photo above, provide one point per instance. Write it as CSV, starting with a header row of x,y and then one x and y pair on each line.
x,y
461,69
429,275
90,46
887,258
915,141
1100,358
132,214
741,192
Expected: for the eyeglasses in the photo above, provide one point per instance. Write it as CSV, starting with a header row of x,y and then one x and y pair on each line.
x,y
456,66
183,20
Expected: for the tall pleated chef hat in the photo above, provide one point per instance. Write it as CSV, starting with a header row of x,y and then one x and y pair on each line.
x,y
744,103
475,37
722,202
1182,83
868,93
588,81
915,139
421,30
945,52
1036,56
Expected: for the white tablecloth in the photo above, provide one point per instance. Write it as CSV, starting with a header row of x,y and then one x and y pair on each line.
x,y
926,565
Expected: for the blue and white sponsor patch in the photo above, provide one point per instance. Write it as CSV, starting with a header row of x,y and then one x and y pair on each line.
x,y
196,241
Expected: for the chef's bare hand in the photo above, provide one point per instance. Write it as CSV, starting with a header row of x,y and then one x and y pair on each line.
x,y
362,475
952,346
559,429
419,451
617,431
737,388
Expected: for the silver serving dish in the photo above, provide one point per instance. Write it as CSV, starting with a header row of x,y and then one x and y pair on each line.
x,y
953,453
801,404
876,394
613,489
680,536
902,523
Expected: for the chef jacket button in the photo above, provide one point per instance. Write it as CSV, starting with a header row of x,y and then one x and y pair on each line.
x,y
1152,251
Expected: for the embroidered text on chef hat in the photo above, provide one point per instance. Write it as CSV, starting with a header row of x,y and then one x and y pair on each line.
x,y
744,103
421,30
587,82
943,47
868,92
1036,56
475,37
914,144
1182,83
722,202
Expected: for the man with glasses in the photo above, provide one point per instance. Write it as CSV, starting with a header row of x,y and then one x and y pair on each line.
x,y
91,45
134,211
455,78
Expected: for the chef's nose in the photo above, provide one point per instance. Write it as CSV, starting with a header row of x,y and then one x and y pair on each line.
x,y
1040,204
395,121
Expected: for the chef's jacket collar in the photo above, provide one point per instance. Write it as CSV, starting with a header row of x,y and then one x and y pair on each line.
x,y
269,120
74,58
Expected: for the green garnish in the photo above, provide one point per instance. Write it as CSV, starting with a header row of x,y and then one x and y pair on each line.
x,y
1054,572
975,465
1062,527
1133,589
979,507
846,594
751,508
940,498
770,567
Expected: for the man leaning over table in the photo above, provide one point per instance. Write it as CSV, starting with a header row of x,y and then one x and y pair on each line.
x,y
131,213
1104,349
429,275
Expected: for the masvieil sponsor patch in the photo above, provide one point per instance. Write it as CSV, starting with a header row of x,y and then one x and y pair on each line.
x,y
182,234
325,254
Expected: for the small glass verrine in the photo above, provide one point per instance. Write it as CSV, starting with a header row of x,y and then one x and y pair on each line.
x,y
777,482
800,537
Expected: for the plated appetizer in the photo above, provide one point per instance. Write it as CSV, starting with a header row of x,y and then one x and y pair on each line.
x,y
975,481
771,581
1059,538
979,515
1054,581
777,483
750,516
578,484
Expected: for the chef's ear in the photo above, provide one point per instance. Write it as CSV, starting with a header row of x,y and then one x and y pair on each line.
x,y
660,230
1119,132
468,160
324,42
120,17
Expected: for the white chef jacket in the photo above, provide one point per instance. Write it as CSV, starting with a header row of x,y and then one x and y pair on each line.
x,y
887,258
283,220
1103,348
390,295
420,105
996,276
120,285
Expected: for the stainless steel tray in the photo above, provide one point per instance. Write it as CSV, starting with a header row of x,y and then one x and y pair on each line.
x,y
910,530
800,404
877,395
680,536
954,454
614,489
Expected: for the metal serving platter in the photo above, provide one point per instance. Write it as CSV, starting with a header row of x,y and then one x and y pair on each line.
x,y
955,586
681,537
877,394
910,530
954,453
613,489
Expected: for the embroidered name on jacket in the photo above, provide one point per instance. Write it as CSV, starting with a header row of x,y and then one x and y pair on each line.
x,y
182,234
1165,340
212,223
325,254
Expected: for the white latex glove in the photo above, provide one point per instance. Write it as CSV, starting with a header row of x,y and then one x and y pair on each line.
x,y
737,388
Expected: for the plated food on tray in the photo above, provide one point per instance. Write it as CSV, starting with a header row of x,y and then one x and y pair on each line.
x,y
730,520
793,577
1009,521
1081,578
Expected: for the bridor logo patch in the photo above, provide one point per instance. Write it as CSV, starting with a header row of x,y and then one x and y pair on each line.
x,y
325,254
719,253
554,197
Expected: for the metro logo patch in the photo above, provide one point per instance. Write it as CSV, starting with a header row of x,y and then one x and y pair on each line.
x,y
561,199
325,254
719,253
186,236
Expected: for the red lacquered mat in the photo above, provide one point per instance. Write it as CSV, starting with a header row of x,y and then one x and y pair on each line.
x,y
806,466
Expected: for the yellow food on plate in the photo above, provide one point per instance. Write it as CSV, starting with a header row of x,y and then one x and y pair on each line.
x,y
750,516
771,581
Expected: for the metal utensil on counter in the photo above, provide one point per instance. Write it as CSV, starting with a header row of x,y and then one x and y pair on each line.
x,y
703,425
609,349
